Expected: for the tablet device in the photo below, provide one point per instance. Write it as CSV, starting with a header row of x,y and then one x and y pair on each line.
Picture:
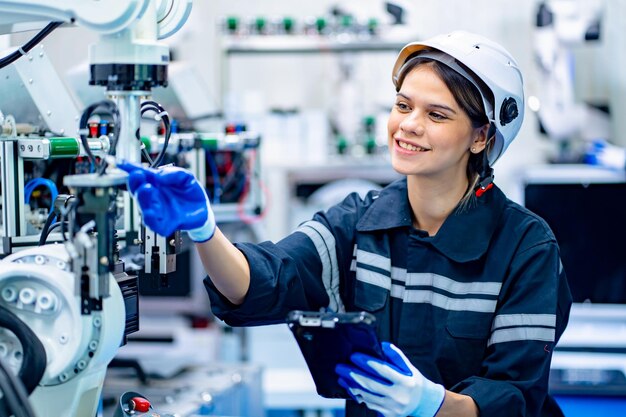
x,y
327,339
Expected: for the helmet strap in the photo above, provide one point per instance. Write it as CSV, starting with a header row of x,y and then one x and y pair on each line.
x,y
485,180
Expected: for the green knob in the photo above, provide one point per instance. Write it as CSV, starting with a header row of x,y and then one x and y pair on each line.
x,y
288,24
342,144
260,24
320,24
346,20
372,24
370,144
146,143
232,23
210,142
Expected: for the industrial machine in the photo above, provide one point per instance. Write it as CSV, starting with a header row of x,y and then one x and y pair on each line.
x,y
68,307
561,27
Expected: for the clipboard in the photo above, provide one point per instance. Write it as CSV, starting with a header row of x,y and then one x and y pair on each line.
x,y
327,339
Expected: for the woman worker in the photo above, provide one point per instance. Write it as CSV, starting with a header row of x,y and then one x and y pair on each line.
x,y
467,287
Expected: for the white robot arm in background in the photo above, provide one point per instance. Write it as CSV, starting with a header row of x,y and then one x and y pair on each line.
x,y
65,306
562,25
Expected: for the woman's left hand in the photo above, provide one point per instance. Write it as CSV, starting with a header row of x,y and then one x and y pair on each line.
x,y
393,387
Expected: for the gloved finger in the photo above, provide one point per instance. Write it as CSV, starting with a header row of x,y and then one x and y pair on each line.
x,y
149,197
344,384
376,403
129,167
156,222
135,180
375,367
154,211
349,382
358,378
349,373
175,176
396,357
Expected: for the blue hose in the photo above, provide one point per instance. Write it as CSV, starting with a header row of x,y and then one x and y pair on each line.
x,y
36,182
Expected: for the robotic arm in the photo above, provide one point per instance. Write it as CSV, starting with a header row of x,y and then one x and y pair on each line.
x,y
107,17
560,26
74,296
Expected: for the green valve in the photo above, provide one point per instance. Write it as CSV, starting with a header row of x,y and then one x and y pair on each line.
x,y
146,143
288,24
232,23
210,143
64,147
346,20
260,24
320,24
370,145
342,144
372,24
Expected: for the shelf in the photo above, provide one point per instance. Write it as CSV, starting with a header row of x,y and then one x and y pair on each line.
x,y
307,44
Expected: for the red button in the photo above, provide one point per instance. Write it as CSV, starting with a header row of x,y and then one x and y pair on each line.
x,y
139,404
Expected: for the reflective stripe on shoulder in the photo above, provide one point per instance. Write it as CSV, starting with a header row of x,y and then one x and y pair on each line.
x,y
523,327
325,245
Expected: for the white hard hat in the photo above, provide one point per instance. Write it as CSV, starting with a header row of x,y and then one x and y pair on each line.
x,y
495,68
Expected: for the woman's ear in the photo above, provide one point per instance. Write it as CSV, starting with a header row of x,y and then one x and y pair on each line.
x,y
479,139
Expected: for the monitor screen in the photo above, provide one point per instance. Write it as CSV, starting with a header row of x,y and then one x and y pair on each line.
x,y
589,221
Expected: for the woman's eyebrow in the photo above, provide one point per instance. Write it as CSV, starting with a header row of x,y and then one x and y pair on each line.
x,y
437,106
443,107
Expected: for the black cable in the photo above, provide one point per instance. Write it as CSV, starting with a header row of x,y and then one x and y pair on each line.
x,y
34,354
146,155
14,56
44,238
168,130
46,227
65,211
150,105
15,399
111,108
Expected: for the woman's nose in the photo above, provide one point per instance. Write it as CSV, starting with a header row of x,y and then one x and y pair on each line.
x,y
412,123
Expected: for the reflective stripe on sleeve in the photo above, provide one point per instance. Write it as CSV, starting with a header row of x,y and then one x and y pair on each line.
x,y
523,327
512,320
325,244
518,334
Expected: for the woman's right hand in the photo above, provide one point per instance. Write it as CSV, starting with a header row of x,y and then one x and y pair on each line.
x,y
171,199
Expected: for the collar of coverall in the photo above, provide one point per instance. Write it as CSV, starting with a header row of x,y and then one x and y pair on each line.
x,y
463,237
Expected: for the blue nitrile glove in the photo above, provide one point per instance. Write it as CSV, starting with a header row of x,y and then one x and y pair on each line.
x,y
171,199
600,152
394,388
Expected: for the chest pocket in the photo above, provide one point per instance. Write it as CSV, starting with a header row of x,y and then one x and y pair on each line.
x,y
369,297
372,280
465,344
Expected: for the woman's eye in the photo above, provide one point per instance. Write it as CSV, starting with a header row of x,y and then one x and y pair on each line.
x,y
402,107
437,116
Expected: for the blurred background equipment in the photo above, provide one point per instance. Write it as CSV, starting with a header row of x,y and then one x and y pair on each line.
x,y
584,207
280,110
561,27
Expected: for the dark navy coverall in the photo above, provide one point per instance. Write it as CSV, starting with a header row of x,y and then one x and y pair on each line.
x,y
477,308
